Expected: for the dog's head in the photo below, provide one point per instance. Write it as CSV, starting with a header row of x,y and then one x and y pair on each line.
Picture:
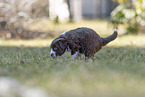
x,y
58,47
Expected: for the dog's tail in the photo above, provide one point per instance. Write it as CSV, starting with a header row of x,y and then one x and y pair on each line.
x,y
109,38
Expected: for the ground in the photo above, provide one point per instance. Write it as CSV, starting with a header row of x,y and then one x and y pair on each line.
x,y
117,70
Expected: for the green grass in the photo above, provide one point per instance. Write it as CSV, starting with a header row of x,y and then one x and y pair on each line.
x,y
114,72
118,70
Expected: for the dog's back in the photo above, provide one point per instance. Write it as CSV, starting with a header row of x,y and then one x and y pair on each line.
x,y
83,36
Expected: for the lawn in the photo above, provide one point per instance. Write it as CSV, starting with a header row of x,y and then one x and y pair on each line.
x,y
118,70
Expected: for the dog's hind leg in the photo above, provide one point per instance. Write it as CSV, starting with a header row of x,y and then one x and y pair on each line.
x,y
89,54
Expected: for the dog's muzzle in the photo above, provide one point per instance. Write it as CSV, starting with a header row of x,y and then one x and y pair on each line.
x,y
52,53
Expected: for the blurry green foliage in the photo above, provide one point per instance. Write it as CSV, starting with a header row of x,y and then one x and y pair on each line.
x,y
56,20
120,1
131,13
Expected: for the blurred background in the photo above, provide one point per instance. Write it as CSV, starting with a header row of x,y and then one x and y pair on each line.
x,y
27,28
25,19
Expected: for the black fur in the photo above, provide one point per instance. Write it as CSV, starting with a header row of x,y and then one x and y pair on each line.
x,y
84,40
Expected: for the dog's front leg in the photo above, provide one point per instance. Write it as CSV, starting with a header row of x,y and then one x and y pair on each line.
x,y
74,54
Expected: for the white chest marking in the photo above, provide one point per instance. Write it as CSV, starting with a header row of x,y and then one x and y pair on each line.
x,y
68,49
74,55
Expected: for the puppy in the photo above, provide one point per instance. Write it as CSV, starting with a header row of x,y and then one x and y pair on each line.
x,y
80,41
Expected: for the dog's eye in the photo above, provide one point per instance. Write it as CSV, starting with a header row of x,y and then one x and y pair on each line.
x,y
55,48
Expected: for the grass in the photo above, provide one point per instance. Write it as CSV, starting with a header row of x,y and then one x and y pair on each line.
x,y
117,70
114,72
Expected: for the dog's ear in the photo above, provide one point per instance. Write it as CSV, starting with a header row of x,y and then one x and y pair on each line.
x,y
58,39
63,43
62,36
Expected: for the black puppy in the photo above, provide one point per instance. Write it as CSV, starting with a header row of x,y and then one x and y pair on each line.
x,y
80,41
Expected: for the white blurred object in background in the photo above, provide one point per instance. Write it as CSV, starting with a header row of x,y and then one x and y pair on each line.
x,y
59,8
10,87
